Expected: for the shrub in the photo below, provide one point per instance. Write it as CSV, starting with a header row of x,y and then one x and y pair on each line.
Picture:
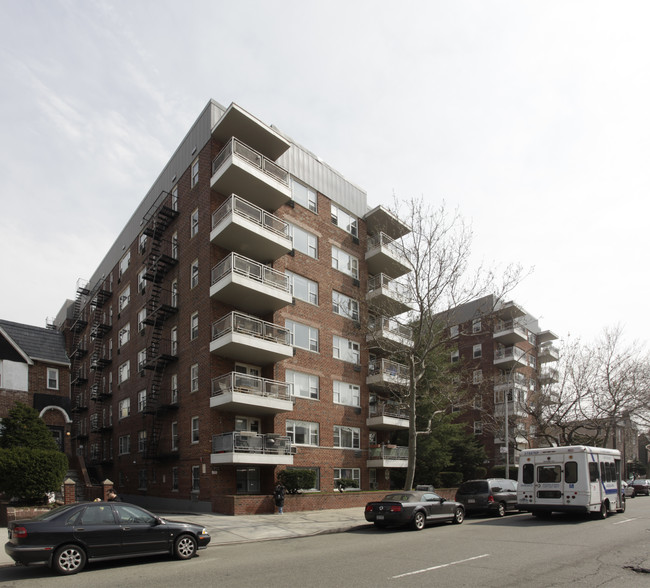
x,y
23,427
344,483
31,473
297,479
500,472
450,479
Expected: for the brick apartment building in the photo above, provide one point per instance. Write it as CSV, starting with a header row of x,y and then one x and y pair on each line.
x,y
223,337
504,358
35,370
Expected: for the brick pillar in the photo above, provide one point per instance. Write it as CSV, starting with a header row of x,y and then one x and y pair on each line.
x,y
108,486
69,491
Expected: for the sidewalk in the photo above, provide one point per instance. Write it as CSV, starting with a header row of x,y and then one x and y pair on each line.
x,y
226,530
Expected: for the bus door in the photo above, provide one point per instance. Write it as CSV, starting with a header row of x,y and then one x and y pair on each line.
x,y
595,486
548,480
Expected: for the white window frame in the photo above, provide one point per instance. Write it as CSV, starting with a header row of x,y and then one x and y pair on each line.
x,y
194,274
124,298
344,305
142,315
124,372
455,356
341,434
194,430
52,378
194,223
342,474
306,242
175,245
304,195
303,288
196,479
346,350
142,283
194,326
303,385
477,351
124,444
173,385
194,377
345,262
174,193
477,376
142,441
311,432
142,359
346,393
476,325
124,408
124,335
142,400
194,173
453,331
173,339
311,333
344,220
174,436
124,263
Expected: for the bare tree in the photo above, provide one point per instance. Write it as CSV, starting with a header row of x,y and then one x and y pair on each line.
x,y
438,251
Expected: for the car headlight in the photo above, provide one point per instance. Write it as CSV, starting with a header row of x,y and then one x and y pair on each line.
x,y
204,531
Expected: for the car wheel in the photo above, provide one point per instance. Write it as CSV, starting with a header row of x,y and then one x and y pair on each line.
x,y
185,547
602,513
418,521
501,510
459,516
69,559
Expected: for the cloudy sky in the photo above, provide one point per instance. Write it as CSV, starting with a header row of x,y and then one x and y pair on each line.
x,y
531,117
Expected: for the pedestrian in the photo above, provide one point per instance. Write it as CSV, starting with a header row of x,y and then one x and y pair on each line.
x,y
113,497
278,496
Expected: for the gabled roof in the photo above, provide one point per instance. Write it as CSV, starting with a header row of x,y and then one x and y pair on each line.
x,y
34,343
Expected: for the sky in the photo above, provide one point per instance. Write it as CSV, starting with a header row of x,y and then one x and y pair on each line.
x,y
532,118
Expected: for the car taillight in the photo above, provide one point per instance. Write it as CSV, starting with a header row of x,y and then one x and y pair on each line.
x,y
396,508
490,498
20,532
368,507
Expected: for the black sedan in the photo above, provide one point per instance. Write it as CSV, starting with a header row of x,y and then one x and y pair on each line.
x,y
67,537
414,509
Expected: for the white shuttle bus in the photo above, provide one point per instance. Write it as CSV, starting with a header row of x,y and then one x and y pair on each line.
x,y
570,479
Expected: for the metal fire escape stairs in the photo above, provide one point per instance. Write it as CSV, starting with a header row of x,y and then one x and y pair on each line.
x,y
159,306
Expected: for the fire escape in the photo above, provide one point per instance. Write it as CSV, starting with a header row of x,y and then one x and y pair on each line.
x,y
101,357
78,374
161,304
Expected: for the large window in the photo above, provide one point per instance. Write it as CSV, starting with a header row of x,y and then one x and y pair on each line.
x,y
302,432
195,429
303,195
142,400
304,336
124,408
124,299
52,379
124,371
303,288
304,241
346,350
124,335
346,437
344,262
344,220
347,474
248,480
349,394
345,306
304,385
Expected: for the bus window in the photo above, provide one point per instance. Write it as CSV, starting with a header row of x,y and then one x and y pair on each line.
x,y
593,471
528,476
550,474
611,472
570,472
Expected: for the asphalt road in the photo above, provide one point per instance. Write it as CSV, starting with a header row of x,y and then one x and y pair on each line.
x,y
517,550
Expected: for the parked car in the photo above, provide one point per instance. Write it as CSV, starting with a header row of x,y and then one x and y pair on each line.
x,y
628,491
413,508
640,486
492,495
68,537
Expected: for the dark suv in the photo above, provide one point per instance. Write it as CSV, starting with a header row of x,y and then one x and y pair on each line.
x,y
494,495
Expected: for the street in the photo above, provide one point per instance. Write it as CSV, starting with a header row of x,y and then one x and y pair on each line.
x,y
513,551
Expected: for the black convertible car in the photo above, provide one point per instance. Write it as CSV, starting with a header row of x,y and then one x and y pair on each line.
x,y
414,509
68,537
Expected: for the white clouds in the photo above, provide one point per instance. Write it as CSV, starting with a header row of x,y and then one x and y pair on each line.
x,y
531,117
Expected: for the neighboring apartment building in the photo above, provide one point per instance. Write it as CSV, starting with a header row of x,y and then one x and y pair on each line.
x,y
223,337
503,358
35,370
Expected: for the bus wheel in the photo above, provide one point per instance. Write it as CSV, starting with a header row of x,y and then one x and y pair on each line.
x,y
602,513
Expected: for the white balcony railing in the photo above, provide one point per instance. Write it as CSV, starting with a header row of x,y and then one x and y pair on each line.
x,y
237,148
248,442
238,264
388,452
244,324
245,384
239,207
384,241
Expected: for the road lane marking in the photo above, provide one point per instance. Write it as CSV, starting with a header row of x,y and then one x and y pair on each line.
x,y
453,563
623,522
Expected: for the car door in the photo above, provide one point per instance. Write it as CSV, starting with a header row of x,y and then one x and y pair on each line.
x,y
435,506
141,531
97,529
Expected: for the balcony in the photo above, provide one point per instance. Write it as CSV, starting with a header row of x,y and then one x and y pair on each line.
x,y
387,295
249,285
511,357
388,333
238,169
516,380
248,448
548,376
99,360
236,122
387,416
385,256
244,394
80,403
385,373
246,338
547,352
160,353
388,456
238,225
510,332
380,219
